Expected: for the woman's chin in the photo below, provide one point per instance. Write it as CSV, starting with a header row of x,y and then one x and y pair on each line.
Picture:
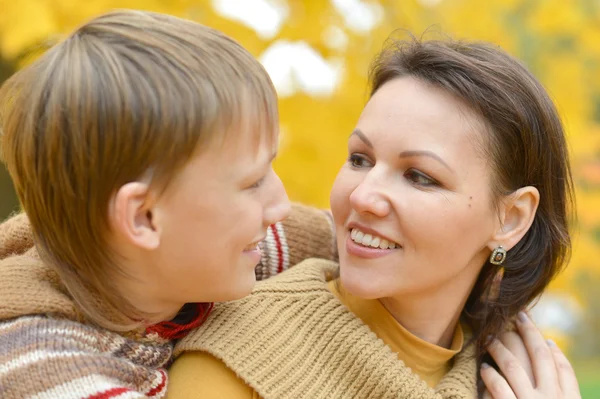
x,y
360,284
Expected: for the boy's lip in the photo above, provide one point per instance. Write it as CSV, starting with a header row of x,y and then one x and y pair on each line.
x,y
368,230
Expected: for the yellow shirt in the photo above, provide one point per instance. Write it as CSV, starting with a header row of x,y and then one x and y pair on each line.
x,y
201,375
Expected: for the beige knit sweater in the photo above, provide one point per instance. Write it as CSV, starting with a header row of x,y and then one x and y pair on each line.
x,y
292,338
49,349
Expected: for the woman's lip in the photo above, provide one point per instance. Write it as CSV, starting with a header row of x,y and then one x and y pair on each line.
x,y
366,252
367,230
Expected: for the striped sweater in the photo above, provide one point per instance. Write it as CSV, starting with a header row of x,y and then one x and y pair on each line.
x,y
49,350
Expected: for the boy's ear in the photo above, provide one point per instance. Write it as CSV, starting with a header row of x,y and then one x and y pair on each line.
x,y
131,215
517,212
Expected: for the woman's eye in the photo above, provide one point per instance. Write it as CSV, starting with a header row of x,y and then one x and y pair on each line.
x,y
358,161
419,178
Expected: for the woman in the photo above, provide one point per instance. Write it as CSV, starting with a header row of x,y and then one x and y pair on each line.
x,y
457,174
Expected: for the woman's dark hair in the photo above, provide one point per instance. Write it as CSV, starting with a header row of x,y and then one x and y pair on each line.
x,y
525,145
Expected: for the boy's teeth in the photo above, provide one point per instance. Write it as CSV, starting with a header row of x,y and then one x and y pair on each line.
x,y
252,247
369,240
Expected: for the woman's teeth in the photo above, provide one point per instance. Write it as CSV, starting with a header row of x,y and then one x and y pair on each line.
x,y
369,240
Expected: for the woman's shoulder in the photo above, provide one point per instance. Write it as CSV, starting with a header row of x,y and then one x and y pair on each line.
x,y
314,272
201,375
272,305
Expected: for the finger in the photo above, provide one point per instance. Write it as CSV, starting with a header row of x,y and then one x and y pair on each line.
x,y
487,395
510,366
514,343
566,375
497,387
540,354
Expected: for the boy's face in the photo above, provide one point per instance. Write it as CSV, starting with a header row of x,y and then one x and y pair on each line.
x,y
210,220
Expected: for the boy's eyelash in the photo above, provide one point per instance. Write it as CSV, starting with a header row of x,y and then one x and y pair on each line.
x,y
258,183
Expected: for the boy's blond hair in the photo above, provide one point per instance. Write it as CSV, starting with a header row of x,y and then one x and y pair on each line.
x,y
129,94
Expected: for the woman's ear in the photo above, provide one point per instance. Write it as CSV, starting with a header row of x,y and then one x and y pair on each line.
x,y
132,216
517,212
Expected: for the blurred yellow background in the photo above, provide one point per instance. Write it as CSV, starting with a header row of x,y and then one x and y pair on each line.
x,y
318,52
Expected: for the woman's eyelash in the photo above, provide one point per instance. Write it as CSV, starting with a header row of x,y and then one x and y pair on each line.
x,y
416,177
357,161
420,178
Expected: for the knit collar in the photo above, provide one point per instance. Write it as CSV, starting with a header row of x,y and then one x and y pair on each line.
x,y
191,316
428,360
292,338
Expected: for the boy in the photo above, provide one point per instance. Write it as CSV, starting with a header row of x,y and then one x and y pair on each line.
x,y
141,151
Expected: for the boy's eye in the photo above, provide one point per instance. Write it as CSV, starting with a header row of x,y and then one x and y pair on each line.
x,y
420,178
358,161
258,183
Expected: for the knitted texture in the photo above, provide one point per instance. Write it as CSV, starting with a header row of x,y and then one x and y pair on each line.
x,y
15,236
49,349
305,231
292,338
55,358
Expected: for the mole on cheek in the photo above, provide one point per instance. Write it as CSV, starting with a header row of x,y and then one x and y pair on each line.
x,y
470,199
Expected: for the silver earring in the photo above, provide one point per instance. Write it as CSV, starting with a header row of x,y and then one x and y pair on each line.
x,y
498,256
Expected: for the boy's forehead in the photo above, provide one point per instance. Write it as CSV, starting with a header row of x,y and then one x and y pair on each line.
x,y
239,153
249,135
246,124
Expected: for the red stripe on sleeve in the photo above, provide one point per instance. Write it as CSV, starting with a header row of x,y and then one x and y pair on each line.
x,y
279,250
160,386
110,393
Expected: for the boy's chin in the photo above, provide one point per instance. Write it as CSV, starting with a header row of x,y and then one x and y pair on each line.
x,y
241,290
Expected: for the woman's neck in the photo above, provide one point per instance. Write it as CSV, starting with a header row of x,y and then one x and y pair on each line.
x,y
434,327
431,315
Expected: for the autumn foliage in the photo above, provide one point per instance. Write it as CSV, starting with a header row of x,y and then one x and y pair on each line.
x,y
559,40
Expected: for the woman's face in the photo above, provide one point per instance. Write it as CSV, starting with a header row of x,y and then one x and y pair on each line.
x,y
412,205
